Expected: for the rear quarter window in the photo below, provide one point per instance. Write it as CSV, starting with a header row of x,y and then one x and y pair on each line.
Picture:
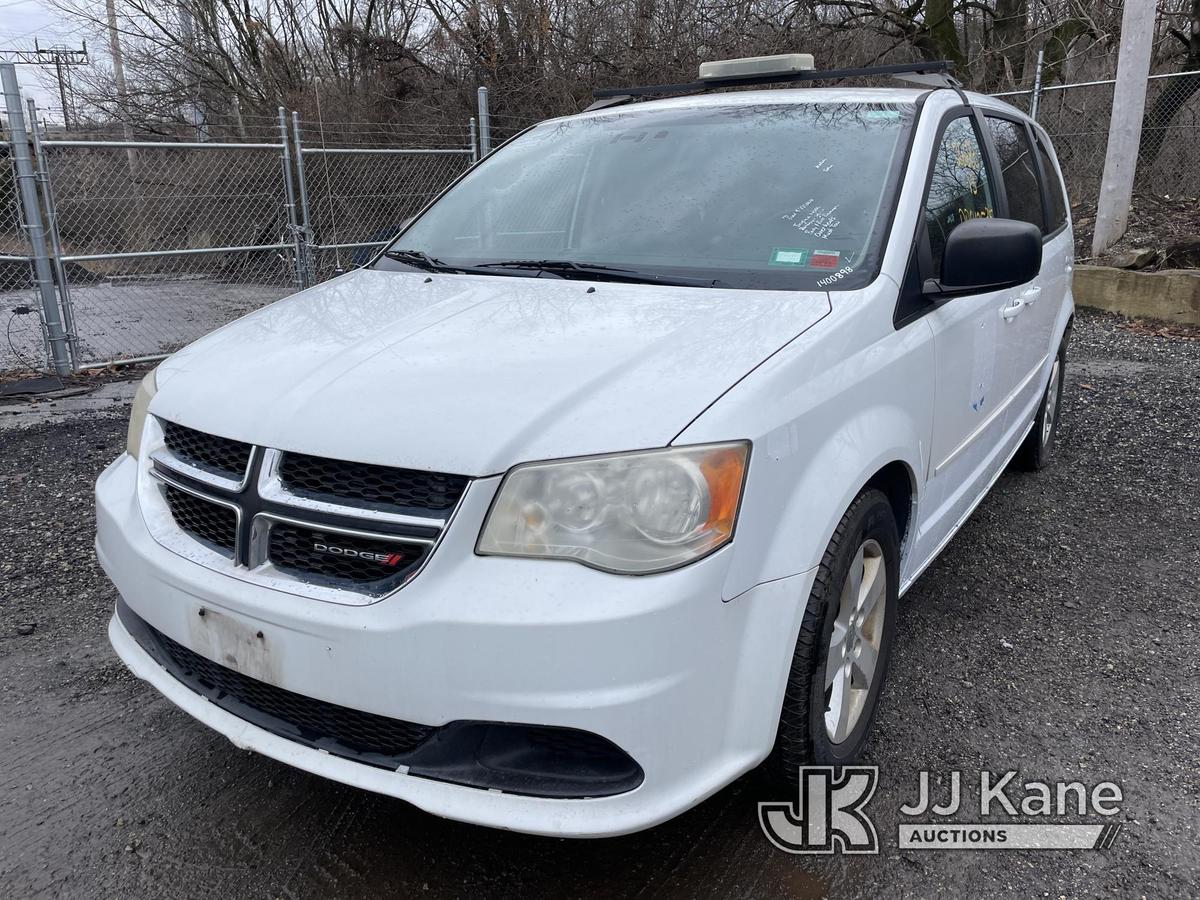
x,y
1056,212
1019,170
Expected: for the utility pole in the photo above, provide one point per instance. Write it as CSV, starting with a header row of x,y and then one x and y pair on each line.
x,y
118,63
61,58
40,56
1125,129
62,92
194,109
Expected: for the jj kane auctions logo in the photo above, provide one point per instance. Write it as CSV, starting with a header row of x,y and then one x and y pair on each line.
x,y
830,814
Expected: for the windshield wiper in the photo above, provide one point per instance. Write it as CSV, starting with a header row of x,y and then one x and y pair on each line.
x,y
419,259
566,268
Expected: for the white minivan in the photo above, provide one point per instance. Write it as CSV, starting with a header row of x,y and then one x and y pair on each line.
x,y
599,486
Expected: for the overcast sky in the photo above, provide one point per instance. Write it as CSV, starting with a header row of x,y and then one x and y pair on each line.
x,y
23,20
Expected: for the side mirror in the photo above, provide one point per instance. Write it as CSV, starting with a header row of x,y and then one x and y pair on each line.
x,y
989,255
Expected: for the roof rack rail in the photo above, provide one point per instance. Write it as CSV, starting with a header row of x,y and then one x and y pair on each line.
x,y
616,95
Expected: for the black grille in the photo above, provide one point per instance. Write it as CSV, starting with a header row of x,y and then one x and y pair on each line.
x,y
533,760
223,456
370,486
293,715
210,522
343,560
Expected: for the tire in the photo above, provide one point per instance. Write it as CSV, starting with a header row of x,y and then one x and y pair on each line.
x,y
1038,447
866,538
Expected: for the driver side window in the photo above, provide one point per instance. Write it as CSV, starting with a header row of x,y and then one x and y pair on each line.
x,y
959,189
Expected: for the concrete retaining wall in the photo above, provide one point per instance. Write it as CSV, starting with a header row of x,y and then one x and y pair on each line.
x,y
1172,295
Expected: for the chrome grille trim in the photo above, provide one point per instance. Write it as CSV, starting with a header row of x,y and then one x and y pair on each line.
x,y
163,458
162,478
258,542
260,553
250,563
270,487
171,460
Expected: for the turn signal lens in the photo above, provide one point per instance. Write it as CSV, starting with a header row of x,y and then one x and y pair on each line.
x,y
632,513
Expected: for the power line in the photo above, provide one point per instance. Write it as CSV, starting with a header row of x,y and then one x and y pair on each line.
x,y
46,56
61,57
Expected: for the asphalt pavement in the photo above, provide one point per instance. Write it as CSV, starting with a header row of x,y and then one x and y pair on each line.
x,y
1057,635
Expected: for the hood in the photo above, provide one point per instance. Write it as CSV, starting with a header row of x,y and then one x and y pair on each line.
x,y
472,374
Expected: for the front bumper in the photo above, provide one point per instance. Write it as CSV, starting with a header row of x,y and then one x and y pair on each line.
x,y
689,686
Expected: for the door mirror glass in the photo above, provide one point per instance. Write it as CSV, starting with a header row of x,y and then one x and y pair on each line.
x,y
990,255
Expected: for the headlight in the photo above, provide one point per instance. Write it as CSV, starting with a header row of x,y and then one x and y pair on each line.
x,y
137,417
631,513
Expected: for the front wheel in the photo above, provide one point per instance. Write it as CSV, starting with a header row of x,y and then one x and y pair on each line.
x,y
845,643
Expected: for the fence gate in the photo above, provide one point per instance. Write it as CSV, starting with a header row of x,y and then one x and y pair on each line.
x,y
147,245
163,242
25,248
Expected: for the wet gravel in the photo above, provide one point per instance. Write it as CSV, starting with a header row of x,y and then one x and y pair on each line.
x,y
1056,635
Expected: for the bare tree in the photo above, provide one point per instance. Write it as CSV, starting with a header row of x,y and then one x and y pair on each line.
x,y
419,61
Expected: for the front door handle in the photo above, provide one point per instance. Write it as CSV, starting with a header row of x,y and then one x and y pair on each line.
x,y
1012,309
1030,295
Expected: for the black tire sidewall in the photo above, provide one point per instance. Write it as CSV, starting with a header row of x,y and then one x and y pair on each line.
x,y
1033,454
872,519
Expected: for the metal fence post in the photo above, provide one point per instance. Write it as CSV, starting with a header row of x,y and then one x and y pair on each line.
x,y
1037,87
485,124
474,142
56,247
290,202
306,234
56,337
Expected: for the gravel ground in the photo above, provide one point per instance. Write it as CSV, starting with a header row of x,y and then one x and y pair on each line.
x,y
1056,635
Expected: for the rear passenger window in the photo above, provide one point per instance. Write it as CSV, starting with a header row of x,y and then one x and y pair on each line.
x,y
1019,171
959,188
1058,203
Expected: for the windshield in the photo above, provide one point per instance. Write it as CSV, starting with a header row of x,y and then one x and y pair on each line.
x,y
785,196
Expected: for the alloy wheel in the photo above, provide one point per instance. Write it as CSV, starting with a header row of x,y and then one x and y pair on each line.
x,y
853,655
1051,402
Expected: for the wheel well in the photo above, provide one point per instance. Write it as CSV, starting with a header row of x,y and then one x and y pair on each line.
x,y
896,483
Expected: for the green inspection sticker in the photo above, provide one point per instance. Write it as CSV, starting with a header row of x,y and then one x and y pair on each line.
x,y
783,257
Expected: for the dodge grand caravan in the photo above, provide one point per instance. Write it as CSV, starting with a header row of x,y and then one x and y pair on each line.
x,y
599,486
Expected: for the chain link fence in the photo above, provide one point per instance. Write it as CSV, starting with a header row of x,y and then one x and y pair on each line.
x,y
359,192
24,334
158,243
165,242
1076,116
